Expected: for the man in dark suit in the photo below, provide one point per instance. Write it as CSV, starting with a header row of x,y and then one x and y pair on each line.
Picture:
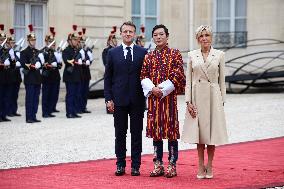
x,y
124,96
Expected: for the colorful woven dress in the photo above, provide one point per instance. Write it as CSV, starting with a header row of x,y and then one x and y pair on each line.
x,y
162,116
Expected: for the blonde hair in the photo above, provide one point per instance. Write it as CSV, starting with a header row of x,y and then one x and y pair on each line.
x,y
202,28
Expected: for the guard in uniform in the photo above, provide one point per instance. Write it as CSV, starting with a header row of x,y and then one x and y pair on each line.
x,y
4,80
111,43
72,73
50,75
32,77
140,39
14,75
86,74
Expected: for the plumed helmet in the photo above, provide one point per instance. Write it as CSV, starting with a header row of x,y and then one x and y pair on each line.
x,y
31,35
2,33
51,36
11,37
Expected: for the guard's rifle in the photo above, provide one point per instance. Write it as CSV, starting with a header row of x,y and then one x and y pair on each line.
x,y
18,47
43,50
91,46
2,58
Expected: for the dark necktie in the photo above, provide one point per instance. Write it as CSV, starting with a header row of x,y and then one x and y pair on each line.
x,y
128,55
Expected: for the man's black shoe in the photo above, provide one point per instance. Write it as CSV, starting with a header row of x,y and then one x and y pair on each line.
x,y
10,115
135,172
77,116
5,119
16,114
30,121
55,110
86,111
120,171
70,116
48,115
36,120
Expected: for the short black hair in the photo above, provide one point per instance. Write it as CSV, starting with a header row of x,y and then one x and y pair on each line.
x,y
128,23
161,26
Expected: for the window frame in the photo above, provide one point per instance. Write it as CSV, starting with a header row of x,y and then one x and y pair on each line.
x,y
232,17
143,15
232,33
27,20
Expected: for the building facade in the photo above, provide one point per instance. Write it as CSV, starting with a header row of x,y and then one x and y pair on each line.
x,y
233,21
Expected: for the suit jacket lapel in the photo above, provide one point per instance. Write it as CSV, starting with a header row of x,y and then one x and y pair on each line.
x,y
210,57
121,53
202,63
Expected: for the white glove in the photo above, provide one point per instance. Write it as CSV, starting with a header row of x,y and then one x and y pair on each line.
x,y
12,54
90,54
58,57
18,64
88,63
82,52
7,62
18,54
41,57
37,65
54,64
80,61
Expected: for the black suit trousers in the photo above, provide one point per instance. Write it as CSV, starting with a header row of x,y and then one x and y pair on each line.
x,y
136,114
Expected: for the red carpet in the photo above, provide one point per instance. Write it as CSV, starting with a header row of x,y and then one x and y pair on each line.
x,y
255,164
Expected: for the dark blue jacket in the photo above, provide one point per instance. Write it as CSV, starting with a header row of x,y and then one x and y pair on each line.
x,y
122,80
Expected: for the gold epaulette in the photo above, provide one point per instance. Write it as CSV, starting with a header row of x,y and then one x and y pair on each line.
x,y
70,61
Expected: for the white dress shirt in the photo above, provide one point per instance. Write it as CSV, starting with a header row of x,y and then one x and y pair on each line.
x,y
125,50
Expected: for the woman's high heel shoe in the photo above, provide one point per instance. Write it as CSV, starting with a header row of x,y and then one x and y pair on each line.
x,y
209,173
201,174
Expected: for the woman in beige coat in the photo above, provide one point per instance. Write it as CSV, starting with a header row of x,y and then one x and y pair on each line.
x,y
205,97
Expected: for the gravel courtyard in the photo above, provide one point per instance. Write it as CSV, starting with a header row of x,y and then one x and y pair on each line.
x,y
60,140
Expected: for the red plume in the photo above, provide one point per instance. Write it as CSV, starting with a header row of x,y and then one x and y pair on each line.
x,y
12,31
84,30
114,29
31,27
74,27
80,33
142,28
2,27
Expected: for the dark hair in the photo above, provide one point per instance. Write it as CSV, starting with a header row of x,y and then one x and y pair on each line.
x,y
161,26
128,23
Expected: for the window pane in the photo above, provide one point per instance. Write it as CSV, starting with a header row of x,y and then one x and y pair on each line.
x,y
37,15
150,23
19,15
39,38
240,8
223,25
223,8
137,22
136,7
151,7
240,25
19,33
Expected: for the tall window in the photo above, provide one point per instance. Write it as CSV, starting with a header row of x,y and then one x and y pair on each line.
x,y
230,21
145,12
26,13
